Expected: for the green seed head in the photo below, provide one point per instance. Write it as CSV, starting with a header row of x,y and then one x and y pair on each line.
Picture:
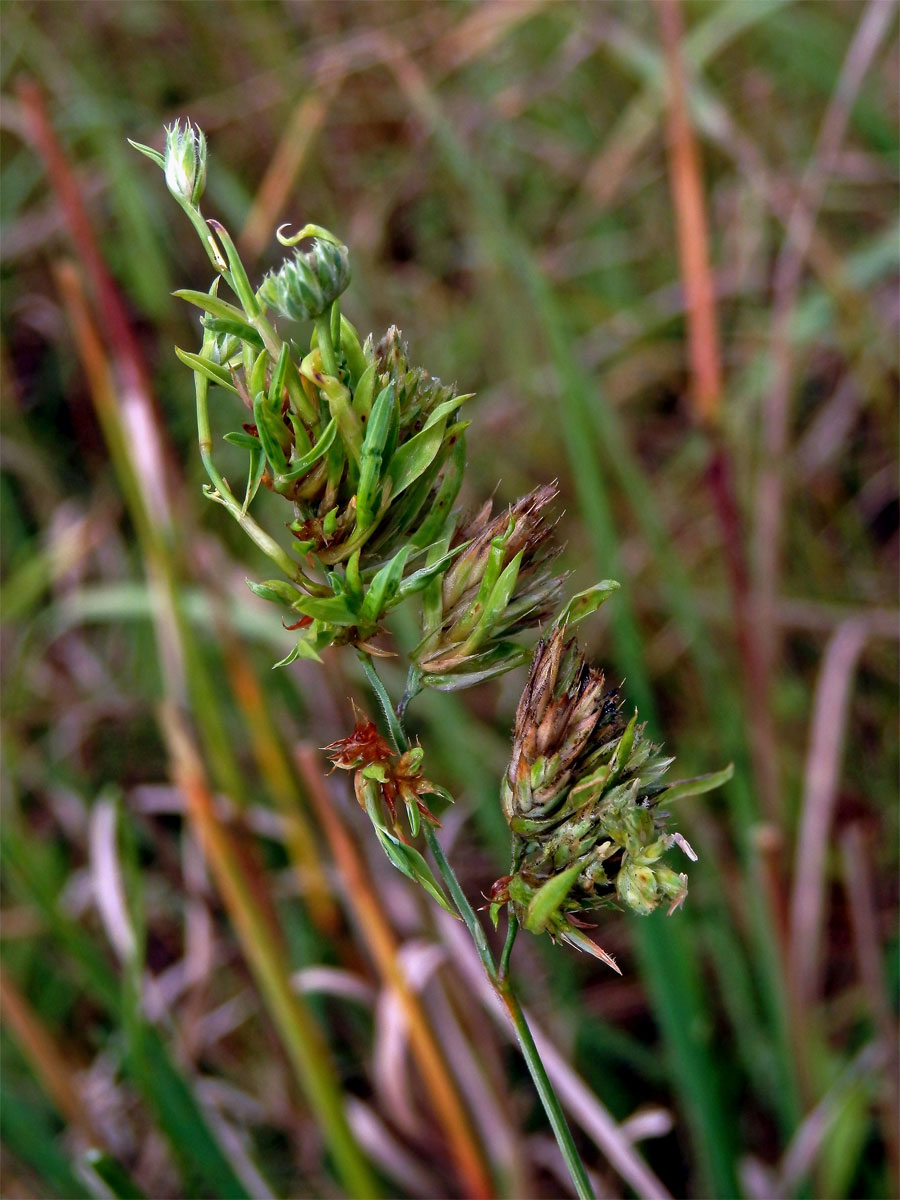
x,y
581,797
305,286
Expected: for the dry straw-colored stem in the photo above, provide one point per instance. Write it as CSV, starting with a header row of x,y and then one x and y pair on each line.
x,y
692,228
820,789
266,956
275,770
48,1059
285,166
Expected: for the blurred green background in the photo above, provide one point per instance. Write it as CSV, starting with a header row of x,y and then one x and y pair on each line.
x,y
522,199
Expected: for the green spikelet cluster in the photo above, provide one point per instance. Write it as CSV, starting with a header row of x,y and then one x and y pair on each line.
x,y
582,796
499,584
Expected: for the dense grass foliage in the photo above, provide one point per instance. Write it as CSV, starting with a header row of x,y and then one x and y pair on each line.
x,y
665,258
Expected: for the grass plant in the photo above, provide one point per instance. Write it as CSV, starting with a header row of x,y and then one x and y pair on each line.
x,y
658,242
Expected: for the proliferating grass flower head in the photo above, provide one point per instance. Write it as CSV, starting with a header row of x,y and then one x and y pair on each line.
x,y
368,452
582,797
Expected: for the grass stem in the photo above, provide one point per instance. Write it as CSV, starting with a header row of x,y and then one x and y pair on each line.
x,y
500,980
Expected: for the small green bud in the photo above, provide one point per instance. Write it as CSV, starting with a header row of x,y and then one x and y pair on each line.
x,y
305,286
224,347
185,162
411,761
672,885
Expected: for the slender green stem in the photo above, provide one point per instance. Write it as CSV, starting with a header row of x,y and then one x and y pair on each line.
x,y
499,979
412,689
503,985
224,494
395,728
463,906
512,928
545,1090
209,242
326,346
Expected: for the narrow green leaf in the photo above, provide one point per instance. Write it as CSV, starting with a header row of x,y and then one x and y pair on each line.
x,y
217,374
298,468
414,457
584,603
492,568
254,476
271,430
276,386
211,304
419,579
373,446
445,409
240,437
235,328
334,610
622,752
696,786
364,393
278,591
431,527
300,650
353,578
500,658
258,380
496,603
410,862
385,585
412,815
349,424
150,153
353,351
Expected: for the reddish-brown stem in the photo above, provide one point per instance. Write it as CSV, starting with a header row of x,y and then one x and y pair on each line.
x,y
706,374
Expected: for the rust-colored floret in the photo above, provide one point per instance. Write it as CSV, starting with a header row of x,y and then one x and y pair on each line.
x,y
396,777
363,746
